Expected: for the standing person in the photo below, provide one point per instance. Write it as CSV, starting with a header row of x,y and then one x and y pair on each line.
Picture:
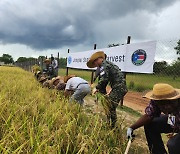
x,y
49,71
163,99
97,75
109,73
78,87
55,65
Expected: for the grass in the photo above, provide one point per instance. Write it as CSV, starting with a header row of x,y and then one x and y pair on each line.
x,y
81,73
135,82
130,111
38,120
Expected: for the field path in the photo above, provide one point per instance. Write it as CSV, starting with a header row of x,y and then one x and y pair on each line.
x,y
135,101
132,100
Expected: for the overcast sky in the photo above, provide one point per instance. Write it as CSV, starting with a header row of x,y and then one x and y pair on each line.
x,y
40,27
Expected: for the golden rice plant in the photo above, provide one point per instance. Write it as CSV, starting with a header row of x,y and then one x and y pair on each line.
x,y
35,68
38,120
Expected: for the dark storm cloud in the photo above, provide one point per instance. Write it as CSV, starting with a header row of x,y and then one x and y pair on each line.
x,y
44,24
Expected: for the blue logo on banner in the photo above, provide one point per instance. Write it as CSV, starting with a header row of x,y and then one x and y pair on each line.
x,y
69,59
138,57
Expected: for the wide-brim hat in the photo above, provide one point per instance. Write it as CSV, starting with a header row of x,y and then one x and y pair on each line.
x,y
60,86
47,61
162,91
96,55
66,78
38,72
47,83
60,78
42,79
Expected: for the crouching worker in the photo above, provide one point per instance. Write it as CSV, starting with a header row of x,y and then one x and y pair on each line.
x,y
163,99
58,83
38,74
109,73
42,79
77,87
45,82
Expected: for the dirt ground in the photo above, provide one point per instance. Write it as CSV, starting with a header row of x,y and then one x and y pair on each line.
x,y
132,100
135,101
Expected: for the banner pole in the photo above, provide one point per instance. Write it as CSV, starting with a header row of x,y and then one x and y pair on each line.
x,y
92,74
58,59
124,73
67,69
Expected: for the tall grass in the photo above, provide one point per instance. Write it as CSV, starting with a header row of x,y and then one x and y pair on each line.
x,y
38,120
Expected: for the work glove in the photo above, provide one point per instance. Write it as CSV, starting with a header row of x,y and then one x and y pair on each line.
x,y
129,133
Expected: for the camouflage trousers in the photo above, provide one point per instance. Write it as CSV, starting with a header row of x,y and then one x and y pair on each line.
x,y
111,103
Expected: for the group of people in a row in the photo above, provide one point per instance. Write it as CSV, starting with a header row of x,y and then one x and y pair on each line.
x,y
72,86
51,68
162,115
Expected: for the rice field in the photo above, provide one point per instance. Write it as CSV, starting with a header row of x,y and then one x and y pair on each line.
x,y
38,120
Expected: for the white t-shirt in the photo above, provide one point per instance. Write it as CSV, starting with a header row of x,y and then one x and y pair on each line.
x,y
55,64
73,82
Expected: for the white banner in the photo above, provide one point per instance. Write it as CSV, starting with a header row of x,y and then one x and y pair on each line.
x,y
137,57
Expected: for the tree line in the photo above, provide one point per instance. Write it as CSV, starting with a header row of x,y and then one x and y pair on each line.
x,y
164,68
8,59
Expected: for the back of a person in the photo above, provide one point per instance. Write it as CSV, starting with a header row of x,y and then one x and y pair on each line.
x,y
116,76
54,63
80,87
75,81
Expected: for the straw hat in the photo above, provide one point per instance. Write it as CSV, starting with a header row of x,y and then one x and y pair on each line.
x,y
60,86
47,83
162,91
42,79
47,61
99,54
61,79
38,73
66,78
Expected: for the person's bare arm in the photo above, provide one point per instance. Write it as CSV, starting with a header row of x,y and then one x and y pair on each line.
x,y
145,119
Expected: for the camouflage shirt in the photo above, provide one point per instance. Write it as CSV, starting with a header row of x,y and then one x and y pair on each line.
x,y
110,73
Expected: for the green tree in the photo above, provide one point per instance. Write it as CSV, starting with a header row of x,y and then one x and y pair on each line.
x,y
62,62
173,69
22,59
41,57
7,59
31,58
159,67
177,48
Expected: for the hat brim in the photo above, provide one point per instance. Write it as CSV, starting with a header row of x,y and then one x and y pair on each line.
x,y
90,64
96,55
66,78
149,95
41,80
60,78
47,60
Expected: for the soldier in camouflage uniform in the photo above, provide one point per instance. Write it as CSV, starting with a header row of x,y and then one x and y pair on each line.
x,y
97,75
109,73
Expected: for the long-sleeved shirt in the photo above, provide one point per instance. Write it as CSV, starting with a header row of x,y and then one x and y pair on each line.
x,y
110,73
